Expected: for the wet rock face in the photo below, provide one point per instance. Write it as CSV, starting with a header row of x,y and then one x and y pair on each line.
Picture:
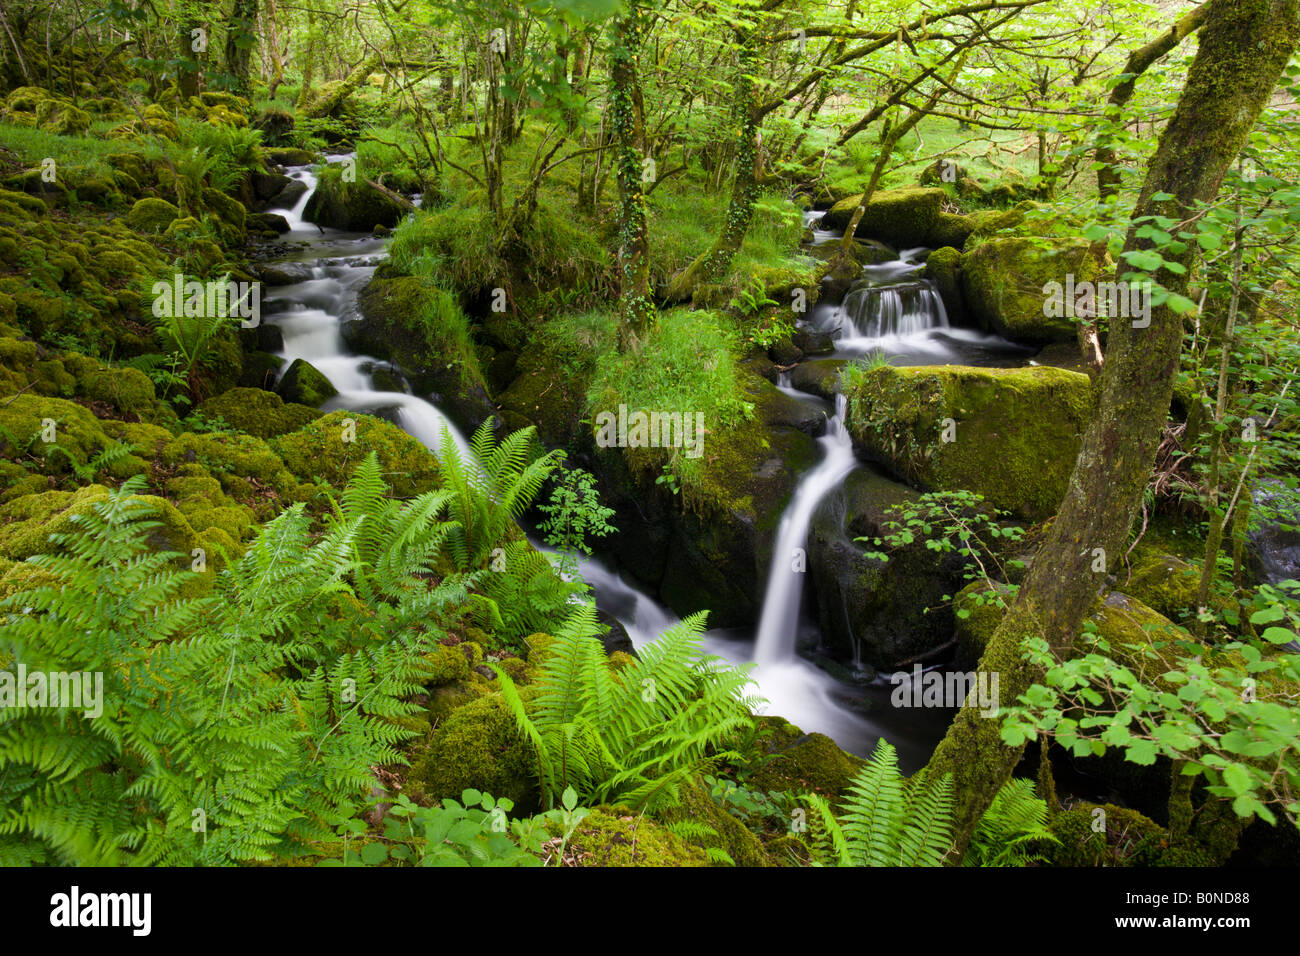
x,y
1274,538
880,613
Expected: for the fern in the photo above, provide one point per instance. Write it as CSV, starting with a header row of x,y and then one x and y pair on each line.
x,y
1010,830
634,737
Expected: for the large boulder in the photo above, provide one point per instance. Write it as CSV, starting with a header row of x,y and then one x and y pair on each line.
x,y
305,384
1006,285
901,217
1010,434
353,206
257,412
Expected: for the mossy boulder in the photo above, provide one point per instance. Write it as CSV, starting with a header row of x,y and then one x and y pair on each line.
x,y
1011,434
249,471
950,229
28,420
729,835
901,217
258,412
616,836
352,206
304,384
151,216
478,745
809,763
332,446
1165,583
422,330
128,390
61,118
943,268
1006,283
1100,835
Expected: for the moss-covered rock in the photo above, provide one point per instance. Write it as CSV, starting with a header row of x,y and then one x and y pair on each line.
x,y
729,835
1011,435
902,217
258,412
61,118
151,215
304,384
1100,835
333,445
943,268
423,331
811,762
616,836
1006,285
478,745
27,421
353,206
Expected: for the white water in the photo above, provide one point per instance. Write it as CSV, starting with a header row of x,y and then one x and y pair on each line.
x,y
781,600
310,314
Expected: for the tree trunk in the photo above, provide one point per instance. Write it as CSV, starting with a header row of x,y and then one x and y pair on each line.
x,y
636,306
241,26
1245,44
1138,63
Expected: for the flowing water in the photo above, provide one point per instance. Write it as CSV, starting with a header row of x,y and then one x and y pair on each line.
x,y
890,309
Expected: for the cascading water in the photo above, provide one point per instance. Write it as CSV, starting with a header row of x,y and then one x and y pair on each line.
x,y
776,628
310,314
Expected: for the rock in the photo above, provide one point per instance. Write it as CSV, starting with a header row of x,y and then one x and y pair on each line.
x,y
785,352
284,273
266,186
258,412
354,207
287,197
1273,542
943,268
811,762
334,445
901,217
151,215
1004,282
820,377
784,410
290,156
61,118
729,835
950,230
261,370
882,613
422,330
814,342
479,746
267,222
303,383
616,836
1015,431
276,123
616,639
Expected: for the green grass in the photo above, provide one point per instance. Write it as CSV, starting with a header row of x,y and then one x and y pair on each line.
x,y
87,152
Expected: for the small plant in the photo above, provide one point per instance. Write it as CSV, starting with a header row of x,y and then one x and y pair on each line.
x,y
574,514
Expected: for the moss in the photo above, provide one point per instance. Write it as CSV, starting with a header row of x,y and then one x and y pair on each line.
x,y
355,206
26,203
304,384
451,663
903,217
788,850
257,412
23,419
448,697
249,471
615,836
332,446
1004,280
151,215
950,230
1168,585
128,390
1109,838
1017,430
61,118
811,762
729,834
943,268
478,745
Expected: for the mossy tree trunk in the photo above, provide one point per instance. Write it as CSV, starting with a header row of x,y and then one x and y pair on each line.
x,y
240,37
1245,45
1138,63
712,265
636,307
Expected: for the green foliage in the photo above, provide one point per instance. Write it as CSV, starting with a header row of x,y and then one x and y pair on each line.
x,y
889,821
634,736
1228,716
574,514
477,831
234,151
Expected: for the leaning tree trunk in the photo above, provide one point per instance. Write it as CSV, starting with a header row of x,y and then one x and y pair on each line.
x,y
636,306
1245,45
1138,62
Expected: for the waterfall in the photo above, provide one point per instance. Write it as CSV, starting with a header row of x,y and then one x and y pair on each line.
x,y
781,601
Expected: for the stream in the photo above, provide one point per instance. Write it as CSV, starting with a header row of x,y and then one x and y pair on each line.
x,y
890,310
